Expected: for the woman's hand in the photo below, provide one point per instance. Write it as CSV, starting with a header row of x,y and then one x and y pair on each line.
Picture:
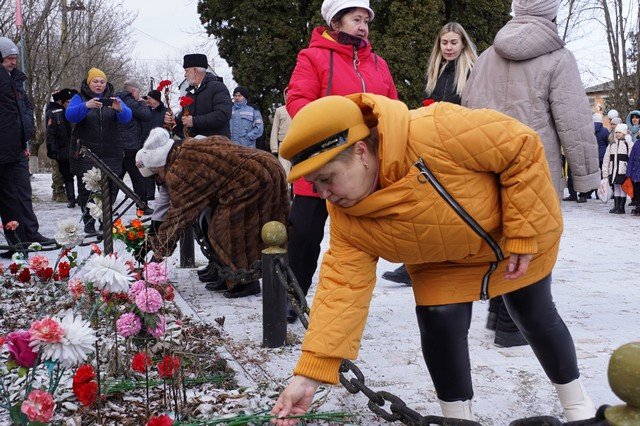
x,y
294,400
93,103
517,266
116,105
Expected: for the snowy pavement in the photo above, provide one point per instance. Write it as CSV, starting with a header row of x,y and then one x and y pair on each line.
x,y
596,289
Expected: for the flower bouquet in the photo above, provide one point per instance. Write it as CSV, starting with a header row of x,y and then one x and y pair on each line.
x,y
134,236
185,102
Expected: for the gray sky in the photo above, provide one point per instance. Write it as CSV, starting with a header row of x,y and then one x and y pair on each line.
x,y
165,30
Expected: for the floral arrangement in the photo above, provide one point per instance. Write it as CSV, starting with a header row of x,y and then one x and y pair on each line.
x,y
133,235
185,102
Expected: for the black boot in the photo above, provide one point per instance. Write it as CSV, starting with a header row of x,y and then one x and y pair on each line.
x,y
204,270
89,223
218,285
291,314
243,290
69,189
621,202
211,275
616,206
400,275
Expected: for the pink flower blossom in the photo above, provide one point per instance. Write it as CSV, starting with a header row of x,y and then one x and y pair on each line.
x,y
155,273
39,406
149,300
21,352
38,262
128,324
96,249
76,288
47,330
159,329
11,226
135,289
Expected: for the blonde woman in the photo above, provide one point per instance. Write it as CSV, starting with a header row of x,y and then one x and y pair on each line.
x,y
452,57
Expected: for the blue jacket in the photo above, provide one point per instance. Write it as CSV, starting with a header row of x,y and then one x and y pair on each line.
x,y
633,166
246,124
633,129
602,135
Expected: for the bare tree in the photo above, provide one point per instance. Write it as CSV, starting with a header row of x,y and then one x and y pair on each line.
x,y
61,43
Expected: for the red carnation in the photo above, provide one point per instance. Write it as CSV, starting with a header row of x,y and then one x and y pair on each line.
x,y
24,276
164,84
169,295
63,269
140,362
168,366
14,268
428,102
84,387
185,101
162,420
45,274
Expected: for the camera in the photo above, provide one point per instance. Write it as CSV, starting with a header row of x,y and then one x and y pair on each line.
x,y
106,102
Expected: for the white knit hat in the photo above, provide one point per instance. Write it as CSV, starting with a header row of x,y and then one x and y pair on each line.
x,y
154,152
331,7
7,47
616,120
597,117
612,114
622,128
543,8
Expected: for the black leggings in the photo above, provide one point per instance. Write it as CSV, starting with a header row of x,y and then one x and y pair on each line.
x,y
444,330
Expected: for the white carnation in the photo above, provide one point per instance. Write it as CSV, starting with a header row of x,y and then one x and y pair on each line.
x,y
92,180
95,208
107,273
69,233
76,344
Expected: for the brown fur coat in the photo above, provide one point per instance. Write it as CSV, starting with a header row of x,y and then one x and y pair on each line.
x,y
245,187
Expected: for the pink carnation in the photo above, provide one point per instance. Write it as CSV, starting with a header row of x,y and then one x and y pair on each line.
x,y
149,300
159,329
135,289
12,226
47,330
155,273
39,406
128,324
76,288
38,262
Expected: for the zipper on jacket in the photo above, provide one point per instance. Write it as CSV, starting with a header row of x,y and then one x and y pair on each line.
x,y
466,217
356,62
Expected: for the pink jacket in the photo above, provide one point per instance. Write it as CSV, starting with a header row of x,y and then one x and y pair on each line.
x,y
327,67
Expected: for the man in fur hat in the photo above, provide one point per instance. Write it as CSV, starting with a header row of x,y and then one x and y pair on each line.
x,y
244,187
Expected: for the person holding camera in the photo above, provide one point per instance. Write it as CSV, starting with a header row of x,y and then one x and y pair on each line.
x,y
96,113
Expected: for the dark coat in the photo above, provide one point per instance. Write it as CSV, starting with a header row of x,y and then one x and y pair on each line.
x,y
97,129
602,135
211,108
157,120
130,133
633,168
245,187
445,90
16,116
58,132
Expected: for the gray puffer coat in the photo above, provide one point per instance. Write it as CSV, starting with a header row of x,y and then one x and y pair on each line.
x,y
529,75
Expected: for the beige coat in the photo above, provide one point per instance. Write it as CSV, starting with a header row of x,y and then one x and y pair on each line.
x,y
529,75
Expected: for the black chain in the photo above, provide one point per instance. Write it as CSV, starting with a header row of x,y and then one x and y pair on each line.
x,y
240,275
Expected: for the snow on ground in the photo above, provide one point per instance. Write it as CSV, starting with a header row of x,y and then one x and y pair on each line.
x,y
596,289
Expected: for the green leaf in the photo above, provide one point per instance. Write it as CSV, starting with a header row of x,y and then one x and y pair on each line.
x,y
17,417
22,371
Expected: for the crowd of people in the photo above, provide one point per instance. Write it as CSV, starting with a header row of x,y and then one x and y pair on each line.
x,y
492,141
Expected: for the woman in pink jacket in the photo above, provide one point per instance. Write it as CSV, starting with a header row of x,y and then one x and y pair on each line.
x,y
338,61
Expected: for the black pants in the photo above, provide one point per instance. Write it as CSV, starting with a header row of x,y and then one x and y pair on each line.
x,y
444,330
307,218
10,209
504,322
138,181
65,170
28,218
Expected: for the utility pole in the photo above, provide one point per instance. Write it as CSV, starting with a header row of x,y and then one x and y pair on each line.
x,y
64,34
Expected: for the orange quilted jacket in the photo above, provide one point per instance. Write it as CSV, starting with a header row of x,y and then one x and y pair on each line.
x,y
493,165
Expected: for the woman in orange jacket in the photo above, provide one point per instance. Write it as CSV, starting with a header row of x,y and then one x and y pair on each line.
x,y
464,198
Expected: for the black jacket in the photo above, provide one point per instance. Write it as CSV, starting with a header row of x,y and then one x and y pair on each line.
x,y
211,108
130,133
98,131
16,116
58,132
445,90
157,120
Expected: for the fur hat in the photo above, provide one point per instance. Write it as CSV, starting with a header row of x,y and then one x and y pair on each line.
x,y
597,117
543,8
95,72
612,114
321,130
7,47
331,7
243,91
154,152
154,94
622,128
64,95
616,120
195,60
